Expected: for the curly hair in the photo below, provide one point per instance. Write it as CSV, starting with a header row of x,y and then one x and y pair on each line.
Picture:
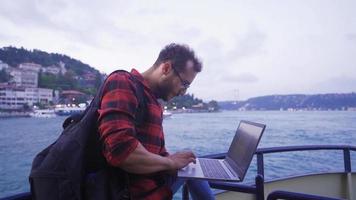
x,y
178,54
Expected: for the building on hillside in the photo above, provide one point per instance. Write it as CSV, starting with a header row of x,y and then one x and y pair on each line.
x,y
16,98
72,97
15,76
29,79
88,79
39,95
51,69
23,78
55,97
30,67
62,67
198,107
3,65
12,98
89,76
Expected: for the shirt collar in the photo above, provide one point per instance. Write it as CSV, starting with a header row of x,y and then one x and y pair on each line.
x,y
139,77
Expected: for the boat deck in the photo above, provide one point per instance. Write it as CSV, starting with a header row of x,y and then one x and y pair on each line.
x,y
322,185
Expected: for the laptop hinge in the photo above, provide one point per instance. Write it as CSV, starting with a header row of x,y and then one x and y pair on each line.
x,y
230,168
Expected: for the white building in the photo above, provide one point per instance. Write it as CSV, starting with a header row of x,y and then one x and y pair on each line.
x,y
30,67
24,78
29,79
51,69
17,97
12,98
16,76
38,95
62,66
3,65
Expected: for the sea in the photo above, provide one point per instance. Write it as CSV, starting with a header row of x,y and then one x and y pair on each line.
x,y
203,133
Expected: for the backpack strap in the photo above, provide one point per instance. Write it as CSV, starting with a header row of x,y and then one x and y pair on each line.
x,y
139,92
141,111
97,167
94,157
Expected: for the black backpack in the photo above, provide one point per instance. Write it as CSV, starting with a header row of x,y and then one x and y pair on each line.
x,y
73,167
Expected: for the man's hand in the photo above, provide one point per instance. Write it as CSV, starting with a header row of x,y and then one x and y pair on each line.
x,y
140,161
181,159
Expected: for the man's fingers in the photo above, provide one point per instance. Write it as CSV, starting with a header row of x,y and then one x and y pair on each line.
x,y
190,154
182,159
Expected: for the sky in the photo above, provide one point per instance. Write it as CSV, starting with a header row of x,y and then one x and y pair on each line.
x,y
248,48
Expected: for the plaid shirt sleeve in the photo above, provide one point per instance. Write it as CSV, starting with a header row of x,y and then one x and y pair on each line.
x,y
120,136
116,118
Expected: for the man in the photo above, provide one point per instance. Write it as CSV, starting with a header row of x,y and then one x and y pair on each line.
x,y
140,149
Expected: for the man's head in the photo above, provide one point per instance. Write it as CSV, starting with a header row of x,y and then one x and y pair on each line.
x,y
177,66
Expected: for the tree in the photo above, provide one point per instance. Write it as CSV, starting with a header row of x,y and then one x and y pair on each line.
x,y
4,76
186,101
47,80
213,105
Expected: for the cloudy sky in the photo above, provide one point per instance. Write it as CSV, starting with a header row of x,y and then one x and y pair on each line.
x,y
249,48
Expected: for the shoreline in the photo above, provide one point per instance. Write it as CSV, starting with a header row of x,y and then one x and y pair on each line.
x,y
14,114
5,115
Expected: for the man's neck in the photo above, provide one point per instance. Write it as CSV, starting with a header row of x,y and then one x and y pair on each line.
x,y
151,79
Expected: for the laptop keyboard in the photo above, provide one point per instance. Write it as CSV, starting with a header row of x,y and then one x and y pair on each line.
x,y
213,169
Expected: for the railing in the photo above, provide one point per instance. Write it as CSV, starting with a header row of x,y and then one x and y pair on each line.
x,y
258,188
345,148
278,194
21,196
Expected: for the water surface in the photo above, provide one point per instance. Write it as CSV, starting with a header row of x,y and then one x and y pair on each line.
x,y
204,133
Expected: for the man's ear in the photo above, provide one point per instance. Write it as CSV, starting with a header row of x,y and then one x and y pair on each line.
x,y
166,67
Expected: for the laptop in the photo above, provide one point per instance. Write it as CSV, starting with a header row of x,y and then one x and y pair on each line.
x,y
237,160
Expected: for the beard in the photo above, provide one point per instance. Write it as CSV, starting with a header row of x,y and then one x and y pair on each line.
x,y
165,89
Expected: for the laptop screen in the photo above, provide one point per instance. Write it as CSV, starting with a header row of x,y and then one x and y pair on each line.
x,y
243,146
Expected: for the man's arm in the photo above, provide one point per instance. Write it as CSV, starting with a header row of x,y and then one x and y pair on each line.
x,y
141,161
117,132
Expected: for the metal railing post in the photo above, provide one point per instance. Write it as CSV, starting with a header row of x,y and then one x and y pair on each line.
x,y
185,192
260,192
347,160
347,165
260,168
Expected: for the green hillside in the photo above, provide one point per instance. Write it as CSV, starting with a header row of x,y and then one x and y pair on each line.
x,y
71,80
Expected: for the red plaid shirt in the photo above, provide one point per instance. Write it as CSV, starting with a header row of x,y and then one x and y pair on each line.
x,y
120,135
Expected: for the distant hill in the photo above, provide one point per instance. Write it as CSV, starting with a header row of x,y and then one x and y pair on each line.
x,y
334,101
79,76
14,56
189,101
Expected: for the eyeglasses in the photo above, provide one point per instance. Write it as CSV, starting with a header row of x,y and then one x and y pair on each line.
x,y
185,84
